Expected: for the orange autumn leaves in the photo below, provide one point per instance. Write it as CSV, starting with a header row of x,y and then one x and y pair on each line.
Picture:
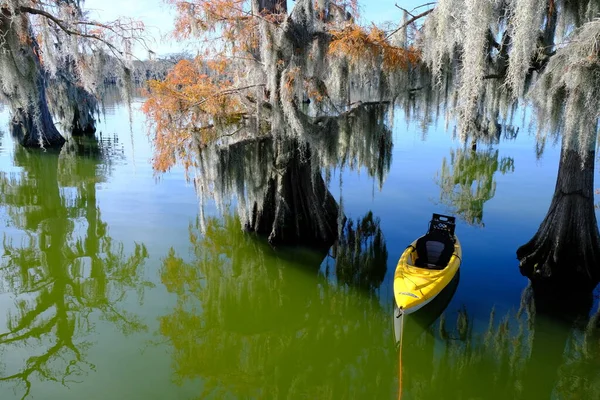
x,y
195,18
357,43
183,109
199,95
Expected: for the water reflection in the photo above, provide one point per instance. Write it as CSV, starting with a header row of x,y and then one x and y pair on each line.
x,y
361,254
60,264
251,324
467,181
546,349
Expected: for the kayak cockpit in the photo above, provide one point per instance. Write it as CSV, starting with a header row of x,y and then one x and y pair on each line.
x,y
434,250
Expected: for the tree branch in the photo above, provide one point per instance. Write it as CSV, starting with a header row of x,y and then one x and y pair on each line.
x,y
404,9
62,25
424,5
410,21
226,92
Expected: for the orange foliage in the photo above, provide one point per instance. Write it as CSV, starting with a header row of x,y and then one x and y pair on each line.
x,y
195,18
184,108
359,44
198,95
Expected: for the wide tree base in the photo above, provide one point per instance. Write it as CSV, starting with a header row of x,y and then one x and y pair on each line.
x,y
298,209
32,135
565,251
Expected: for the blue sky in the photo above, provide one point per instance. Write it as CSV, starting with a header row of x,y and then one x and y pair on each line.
x,y
158,17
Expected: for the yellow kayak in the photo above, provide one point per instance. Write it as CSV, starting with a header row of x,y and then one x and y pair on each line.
x,y
427,266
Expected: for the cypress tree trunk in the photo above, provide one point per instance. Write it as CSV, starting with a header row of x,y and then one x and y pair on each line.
x,y
298,208
70,104
31,123
566,248
272,6
34,127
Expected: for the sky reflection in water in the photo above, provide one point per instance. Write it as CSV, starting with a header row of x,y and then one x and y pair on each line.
x,y
145,306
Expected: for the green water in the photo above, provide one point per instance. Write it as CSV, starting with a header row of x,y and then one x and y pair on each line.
x,y
113,285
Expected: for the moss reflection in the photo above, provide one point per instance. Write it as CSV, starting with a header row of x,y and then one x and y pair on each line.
x,y
361,253
542,351
60,264
252,324
467,181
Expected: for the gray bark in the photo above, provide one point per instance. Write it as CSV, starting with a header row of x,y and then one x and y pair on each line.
x,y
71,105
32,123
298,208
566,248
272,6
34,126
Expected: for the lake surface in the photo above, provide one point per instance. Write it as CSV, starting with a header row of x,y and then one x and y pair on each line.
x,y
113,287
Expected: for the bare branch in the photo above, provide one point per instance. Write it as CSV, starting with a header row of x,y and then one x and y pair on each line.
x,y
410,21
61,24
226,92
405,10
433,3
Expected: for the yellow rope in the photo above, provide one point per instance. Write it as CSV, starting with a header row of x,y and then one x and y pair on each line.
x,y
400,357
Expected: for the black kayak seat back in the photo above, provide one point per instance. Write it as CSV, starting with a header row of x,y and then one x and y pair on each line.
x,y
435,249
442,224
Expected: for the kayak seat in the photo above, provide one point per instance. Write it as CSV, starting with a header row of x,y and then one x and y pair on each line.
x,y
434,251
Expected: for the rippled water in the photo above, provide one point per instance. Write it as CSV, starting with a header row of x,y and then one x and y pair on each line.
x,y
109,288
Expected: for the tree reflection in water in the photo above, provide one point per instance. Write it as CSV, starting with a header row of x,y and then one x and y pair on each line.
x,y
547,349
62,267
255,322
467,181
361,254
254,325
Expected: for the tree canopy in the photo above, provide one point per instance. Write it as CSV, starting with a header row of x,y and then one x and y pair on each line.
x,y
260,62
293,75
482,58
494,53
55,41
